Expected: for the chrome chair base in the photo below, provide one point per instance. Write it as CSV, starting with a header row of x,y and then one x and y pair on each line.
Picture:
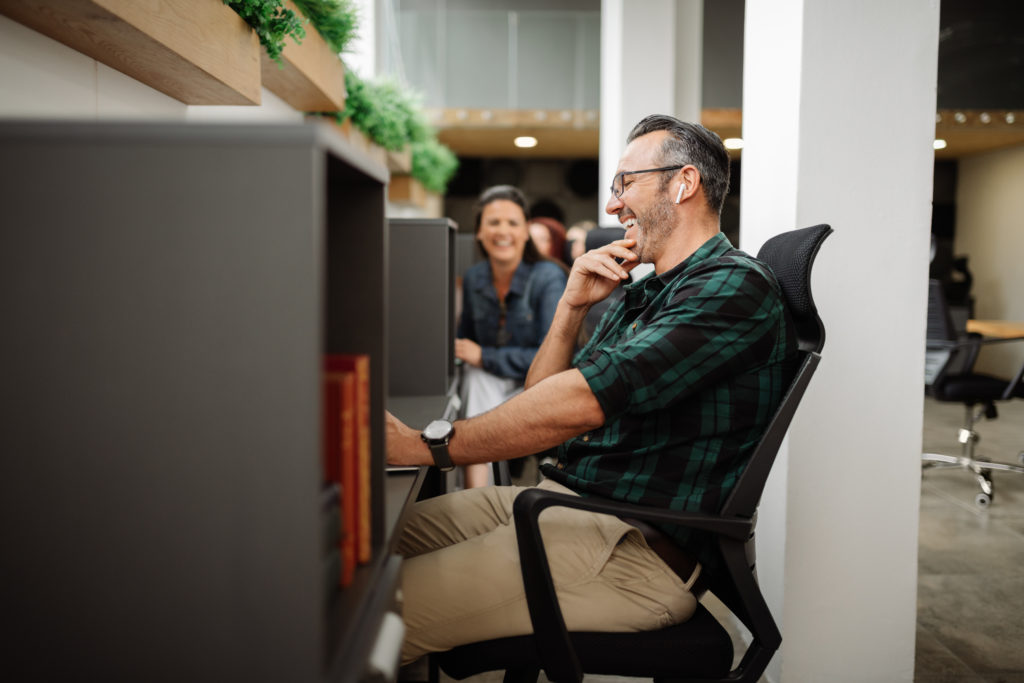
x,y
981,467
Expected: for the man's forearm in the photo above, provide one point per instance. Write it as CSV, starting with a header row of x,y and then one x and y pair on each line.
x,y
553,411
555,353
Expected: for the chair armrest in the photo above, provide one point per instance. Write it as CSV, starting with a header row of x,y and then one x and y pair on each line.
x,y
973,344
534,501
550,633
973,339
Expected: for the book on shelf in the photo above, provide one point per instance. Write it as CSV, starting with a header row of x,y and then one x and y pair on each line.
x,y
340,459
353,373
359,364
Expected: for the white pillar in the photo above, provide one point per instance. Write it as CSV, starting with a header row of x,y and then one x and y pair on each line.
x,y
650,64
689,46
838,121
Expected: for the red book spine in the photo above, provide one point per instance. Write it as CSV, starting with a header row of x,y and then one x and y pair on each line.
x,y
332,429
349,480
359,365
341,458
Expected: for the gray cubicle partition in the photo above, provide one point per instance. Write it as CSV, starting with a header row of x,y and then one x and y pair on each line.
x,y
421,306
167,292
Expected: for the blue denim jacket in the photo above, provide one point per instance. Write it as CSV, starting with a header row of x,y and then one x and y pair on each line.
x,y
531,302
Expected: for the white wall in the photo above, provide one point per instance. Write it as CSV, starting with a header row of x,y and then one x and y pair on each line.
x,y
990,231
42,78
839,106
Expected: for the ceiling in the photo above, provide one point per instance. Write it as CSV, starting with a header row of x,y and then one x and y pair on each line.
x,y
980,92
575,134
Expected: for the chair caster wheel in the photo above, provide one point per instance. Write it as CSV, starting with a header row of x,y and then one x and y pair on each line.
x,y
983,500
986,485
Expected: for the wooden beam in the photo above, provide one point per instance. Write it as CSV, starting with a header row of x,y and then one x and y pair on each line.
x,y
311,76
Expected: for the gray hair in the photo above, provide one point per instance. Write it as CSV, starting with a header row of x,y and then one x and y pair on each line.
x,y
691,143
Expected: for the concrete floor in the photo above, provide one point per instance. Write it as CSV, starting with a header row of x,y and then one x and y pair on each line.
x,y
970,611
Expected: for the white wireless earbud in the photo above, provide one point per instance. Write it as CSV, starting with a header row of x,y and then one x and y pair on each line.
x,y
679,196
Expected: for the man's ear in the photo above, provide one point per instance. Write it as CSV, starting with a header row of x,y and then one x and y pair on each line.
x,y
689,178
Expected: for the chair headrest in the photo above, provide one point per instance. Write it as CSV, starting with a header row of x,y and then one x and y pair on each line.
x,y
791,256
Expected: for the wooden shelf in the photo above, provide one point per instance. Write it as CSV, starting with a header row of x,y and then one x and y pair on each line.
x,y
404,189
196,51
358,141
311,76
400,162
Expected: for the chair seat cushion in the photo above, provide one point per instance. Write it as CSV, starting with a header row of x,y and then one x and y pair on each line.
x,y
970,388
699,647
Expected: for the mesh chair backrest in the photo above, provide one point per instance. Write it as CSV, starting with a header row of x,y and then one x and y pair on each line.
x,y
940,322
790,256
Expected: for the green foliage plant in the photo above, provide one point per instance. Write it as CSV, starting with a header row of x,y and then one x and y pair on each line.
x,y
392,117
271,21
337,21
433,164
379,108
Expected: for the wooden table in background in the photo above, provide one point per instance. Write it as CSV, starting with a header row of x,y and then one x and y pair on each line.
x,y
1004,329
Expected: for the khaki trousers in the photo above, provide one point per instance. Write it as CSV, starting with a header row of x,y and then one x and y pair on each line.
x,y
461,581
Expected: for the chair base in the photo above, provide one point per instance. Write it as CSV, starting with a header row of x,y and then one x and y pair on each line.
x,y
980,467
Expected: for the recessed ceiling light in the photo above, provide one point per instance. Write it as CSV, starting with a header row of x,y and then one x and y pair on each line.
x,y
939,144
733,143
525,141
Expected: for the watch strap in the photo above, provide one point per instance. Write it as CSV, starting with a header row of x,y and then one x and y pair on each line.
x,y
442,459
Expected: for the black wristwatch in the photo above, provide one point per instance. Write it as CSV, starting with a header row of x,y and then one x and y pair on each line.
x,y
436,435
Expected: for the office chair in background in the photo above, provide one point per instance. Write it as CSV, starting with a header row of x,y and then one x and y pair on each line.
x,y
950,377
700,648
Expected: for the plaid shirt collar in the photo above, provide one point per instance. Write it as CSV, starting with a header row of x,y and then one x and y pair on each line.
x,y
642,291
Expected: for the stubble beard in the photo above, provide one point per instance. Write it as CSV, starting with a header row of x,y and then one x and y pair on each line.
x,y
653,228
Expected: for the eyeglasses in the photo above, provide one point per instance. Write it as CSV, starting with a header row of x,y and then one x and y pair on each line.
x,y
618,182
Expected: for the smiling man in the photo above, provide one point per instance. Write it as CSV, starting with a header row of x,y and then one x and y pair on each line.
x,y
663,406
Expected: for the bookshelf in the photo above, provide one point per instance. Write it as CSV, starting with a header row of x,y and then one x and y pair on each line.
x,y
168,291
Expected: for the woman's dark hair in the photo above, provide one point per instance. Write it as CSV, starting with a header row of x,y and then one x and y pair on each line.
x,y
691,143
557,232
516,196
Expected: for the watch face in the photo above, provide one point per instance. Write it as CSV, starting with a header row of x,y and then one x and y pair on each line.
x,y
438,429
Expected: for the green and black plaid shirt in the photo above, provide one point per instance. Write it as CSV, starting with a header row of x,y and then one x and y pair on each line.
x,y
689,368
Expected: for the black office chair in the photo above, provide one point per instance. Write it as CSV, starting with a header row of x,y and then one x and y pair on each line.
x,y
699,649
949,376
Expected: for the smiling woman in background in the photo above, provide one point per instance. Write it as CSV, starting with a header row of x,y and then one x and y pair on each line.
x,y
508,302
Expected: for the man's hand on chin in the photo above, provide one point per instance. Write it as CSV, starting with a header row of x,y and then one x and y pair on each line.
x,y
404,445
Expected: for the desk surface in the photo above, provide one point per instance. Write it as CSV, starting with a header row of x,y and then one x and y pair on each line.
x,y
1004,329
